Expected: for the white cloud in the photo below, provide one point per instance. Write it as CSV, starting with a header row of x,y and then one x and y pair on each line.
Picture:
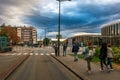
x,y
106,1
52,33
13,11
100,2
109,23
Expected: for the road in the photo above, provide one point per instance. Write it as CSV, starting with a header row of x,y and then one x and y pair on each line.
x,y
41,66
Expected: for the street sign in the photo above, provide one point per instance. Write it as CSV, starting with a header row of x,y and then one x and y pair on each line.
x,y
69,42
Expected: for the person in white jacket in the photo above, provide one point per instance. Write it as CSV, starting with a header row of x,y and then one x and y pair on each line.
x,y
110,56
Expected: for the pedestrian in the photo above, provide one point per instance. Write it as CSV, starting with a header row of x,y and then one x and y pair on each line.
x,y
55,46
64,49
103,56
75,49
83,51
110,56
89,52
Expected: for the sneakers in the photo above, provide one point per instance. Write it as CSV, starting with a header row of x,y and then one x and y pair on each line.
x,y
76,60
111,69
101,70
89,71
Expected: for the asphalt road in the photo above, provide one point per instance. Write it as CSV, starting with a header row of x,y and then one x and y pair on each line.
x,y
42,67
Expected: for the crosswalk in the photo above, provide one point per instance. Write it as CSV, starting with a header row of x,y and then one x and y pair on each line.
x,y
37,54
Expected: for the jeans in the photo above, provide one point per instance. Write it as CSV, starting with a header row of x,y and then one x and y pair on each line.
x,y
64,52
88,64
103,61
75,56
109,62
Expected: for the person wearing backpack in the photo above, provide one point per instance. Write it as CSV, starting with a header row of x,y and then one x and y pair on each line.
x,y
89,52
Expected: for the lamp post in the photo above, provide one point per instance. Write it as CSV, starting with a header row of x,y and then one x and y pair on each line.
x,y
45,38
59,25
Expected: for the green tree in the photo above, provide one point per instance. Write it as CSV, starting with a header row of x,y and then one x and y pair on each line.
x,y
46,41
11,33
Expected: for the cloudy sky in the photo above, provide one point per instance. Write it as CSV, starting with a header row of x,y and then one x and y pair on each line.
x,y
77,16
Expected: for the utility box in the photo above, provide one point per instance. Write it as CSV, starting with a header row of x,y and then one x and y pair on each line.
x,y
3,43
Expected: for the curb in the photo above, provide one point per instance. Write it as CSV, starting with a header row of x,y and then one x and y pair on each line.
x,y
81,76
11,69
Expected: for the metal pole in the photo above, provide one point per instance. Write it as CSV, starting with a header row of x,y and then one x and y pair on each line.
x,y
59,29
45,37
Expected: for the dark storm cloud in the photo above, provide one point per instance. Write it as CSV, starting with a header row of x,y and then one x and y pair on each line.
x,y
76,16
92,16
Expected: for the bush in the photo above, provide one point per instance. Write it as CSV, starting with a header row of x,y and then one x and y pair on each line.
x,y
97,52
117,58
117,54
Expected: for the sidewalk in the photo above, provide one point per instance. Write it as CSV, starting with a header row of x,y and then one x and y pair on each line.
x,y
80,68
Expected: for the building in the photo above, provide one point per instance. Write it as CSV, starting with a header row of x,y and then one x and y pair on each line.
x,y
110,33
28,35
94,38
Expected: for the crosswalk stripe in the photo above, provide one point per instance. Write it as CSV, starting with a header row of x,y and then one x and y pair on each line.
x,y
6,54
25,53
19,54
47,54
36,53
13,54
31,53
41,54
52,53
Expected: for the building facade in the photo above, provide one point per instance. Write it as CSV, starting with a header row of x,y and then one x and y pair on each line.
x,y
28,35
95,39
110,33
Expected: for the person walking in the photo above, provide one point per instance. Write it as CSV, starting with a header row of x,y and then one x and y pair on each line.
x,y
55,46
103,56
110,56
64,49
75,49
89,52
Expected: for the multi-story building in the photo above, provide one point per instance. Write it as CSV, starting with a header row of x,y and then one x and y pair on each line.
x,y
111,33
94,38
0,28
28,35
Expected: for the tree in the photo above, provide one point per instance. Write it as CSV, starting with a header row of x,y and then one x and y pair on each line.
x,y
46,41
11,33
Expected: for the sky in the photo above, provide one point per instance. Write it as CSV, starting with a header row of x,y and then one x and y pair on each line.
x,y
77,16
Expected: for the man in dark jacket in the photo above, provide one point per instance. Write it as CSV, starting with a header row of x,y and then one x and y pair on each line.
x,y
103,55
75,49
55,46
64,49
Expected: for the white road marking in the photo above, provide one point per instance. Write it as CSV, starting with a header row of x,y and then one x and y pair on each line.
x,y
25,53
19,54
47,54
13,54
6,54
41,54
52,53
31,53
36,53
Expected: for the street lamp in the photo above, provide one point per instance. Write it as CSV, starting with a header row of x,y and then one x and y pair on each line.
x,y
59,26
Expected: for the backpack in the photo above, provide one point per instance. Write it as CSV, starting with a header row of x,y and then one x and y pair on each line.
x,y
90,53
